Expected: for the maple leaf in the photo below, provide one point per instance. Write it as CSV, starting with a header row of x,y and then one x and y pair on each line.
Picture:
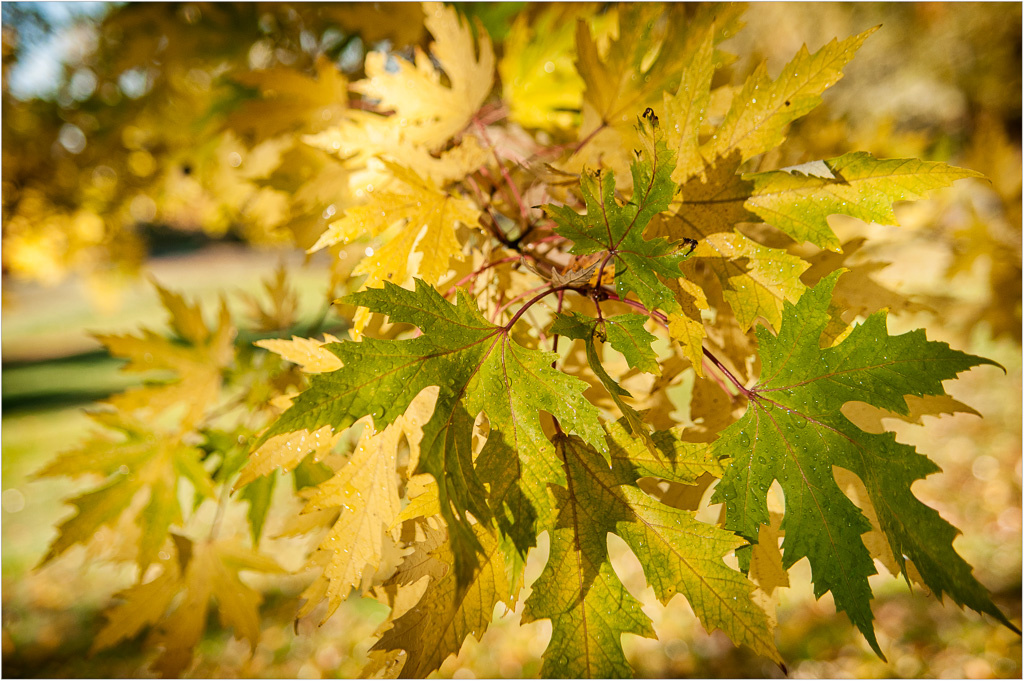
x,y
634,71
638,67
291,100
202,571
687,326
619,230
760,291
362,137
855,184
478,368
580,593
430,216
712,202
686,110
538,79
401,24
422,204
447,613
286,451
308,353
143,460
434,112
626,334
283,303
794,432
365,490
198,362
857,293
762,108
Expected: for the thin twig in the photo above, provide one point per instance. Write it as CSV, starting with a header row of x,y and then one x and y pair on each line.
x,y
728,374
504,172
493,227
478,272
530,302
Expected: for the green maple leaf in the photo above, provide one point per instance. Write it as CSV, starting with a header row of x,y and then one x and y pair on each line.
x,y
794,432
580,593
855,184
618,230
478,368
627,335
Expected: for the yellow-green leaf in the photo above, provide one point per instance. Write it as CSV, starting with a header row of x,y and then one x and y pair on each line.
x,y
855,184
761,110
436,627
756,279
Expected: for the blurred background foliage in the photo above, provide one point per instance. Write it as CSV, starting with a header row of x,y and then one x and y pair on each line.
x,y
167,142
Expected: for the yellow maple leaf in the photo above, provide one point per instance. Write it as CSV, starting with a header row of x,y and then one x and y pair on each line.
x,y
308,353
365,489
538,78
399,22
763,108
687,327
283,303
433,112
202,571
453,613
143,463
712,201
291,100
685,112
197,364
770,277
286,451
430,216
634,72
363,137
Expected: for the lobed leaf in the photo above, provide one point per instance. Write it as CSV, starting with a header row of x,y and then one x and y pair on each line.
x,y
448,612
619,230
855,184
580,593
434,112
762,108
794,432
478,368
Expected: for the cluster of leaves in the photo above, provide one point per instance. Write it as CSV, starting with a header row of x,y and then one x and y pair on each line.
x,y
547,256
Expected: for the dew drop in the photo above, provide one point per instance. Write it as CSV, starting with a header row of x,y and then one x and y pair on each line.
x,y
744,440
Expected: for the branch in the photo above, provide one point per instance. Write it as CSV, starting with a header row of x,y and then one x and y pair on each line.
x,y
477,272
526,306
504,172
